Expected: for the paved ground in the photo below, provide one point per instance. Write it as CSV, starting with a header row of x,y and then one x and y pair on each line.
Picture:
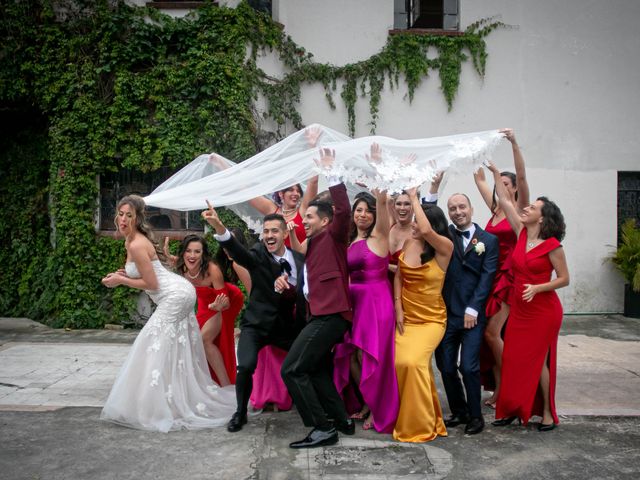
x,y
52,383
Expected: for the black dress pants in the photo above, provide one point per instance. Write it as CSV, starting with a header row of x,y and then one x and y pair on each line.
x,y
249,345
307,371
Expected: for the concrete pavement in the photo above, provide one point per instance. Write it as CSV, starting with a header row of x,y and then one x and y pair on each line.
x,y
52,383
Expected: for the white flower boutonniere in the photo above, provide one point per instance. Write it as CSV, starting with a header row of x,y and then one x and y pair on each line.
x,y
478,247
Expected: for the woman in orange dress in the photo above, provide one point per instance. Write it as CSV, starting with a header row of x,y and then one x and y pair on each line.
x,y
421,318
531,338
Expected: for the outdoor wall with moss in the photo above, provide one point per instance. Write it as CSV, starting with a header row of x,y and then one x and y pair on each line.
x,y
88,87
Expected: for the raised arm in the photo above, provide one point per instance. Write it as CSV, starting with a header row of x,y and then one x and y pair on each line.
x,y
236,250
171,259
521,171
309,194
397,301
293,239
441,244
483,187
504,201
312,134
380,232
339,227
380,237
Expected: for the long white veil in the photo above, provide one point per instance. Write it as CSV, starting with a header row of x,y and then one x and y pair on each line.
x,y
405,163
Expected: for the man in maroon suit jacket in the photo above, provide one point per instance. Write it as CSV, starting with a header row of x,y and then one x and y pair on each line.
x,y
307,368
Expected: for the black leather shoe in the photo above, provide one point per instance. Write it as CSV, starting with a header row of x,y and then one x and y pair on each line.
x,y
475,425
503,422
546,427
455,420
317,438
236,422
348,427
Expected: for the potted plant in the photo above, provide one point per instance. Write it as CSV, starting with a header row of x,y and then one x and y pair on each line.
x,y
627,260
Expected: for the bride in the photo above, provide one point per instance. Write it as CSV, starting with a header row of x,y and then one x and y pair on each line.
x,y
164,383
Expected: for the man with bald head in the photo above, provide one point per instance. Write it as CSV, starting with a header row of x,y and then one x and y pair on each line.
x,y
467,285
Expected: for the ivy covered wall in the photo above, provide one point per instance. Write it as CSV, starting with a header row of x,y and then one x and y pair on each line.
x,y
88,87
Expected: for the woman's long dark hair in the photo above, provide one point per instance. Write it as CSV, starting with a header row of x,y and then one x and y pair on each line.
x,y
206,256
511,176
552,220
223,261
439,224
370,200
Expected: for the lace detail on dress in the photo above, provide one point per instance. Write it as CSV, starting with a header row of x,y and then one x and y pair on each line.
x,y
164,383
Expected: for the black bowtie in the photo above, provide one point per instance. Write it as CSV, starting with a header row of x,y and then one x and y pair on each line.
x,y
284,266
466,234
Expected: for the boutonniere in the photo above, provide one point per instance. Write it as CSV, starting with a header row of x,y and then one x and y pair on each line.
x,y
478,247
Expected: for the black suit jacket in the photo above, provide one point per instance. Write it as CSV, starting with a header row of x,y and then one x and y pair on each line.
x,y
280,314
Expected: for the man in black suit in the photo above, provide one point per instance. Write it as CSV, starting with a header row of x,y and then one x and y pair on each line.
x,y
275,313
467,285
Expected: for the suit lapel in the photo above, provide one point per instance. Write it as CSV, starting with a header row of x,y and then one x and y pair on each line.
x,y
273,265
457,241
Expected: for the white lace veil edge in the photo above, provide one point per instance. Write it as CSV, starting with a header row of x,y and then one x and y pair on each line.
x,y
405,164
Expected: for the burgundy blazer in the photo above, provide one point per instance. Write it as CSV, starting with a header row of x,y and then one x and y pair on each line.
x,y
326,261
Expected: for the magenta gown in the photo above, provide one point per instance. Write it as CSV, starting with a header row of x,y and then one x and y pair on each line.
x,y
373,332
268,386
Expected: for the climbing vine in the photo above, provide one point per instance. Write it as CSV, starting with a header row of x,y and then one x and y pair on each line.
x,y
90,87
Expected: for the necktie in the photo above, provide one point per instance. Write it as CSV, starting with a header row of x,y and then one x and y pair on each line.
x,y
284,266
463,234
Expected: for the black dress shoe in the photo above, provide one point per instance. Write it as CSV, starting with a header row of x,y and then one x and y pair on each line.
x,y
348,427
455,420
236,422
503,422
546,427
475,425
317,438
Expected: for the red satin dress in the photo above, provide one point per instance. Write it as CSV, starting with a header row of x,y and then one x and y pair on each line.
x,y
532,331
393,260
225,341
300,233
500,292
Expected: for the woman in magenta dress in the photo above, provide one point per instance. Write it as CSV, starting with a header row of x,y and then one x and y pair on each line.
x,y
213,294
531,338
497,309
366,358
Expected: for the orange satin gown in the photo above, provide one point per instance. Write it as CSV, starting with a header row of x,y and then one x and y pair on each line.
x,y
425,319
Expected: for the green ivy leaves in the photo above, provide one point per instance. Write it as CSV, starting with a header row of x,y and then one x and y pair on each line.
x,y
126,87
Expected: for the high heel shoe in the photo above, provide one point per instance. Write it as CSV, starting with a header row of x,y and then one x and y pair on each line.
x,y
546,427
503,422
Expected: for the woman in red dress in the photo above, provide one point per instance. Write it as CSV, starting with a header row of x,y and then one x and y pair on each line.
x,y
292,202
497,309
531,338
213,294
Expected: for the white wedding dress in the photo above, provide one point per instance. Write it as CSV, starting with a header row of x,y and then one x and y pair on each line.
x,y
165,383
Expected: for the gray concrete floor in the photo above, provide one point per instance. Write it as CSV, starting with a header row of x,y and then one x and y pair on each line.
x,y
52,383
